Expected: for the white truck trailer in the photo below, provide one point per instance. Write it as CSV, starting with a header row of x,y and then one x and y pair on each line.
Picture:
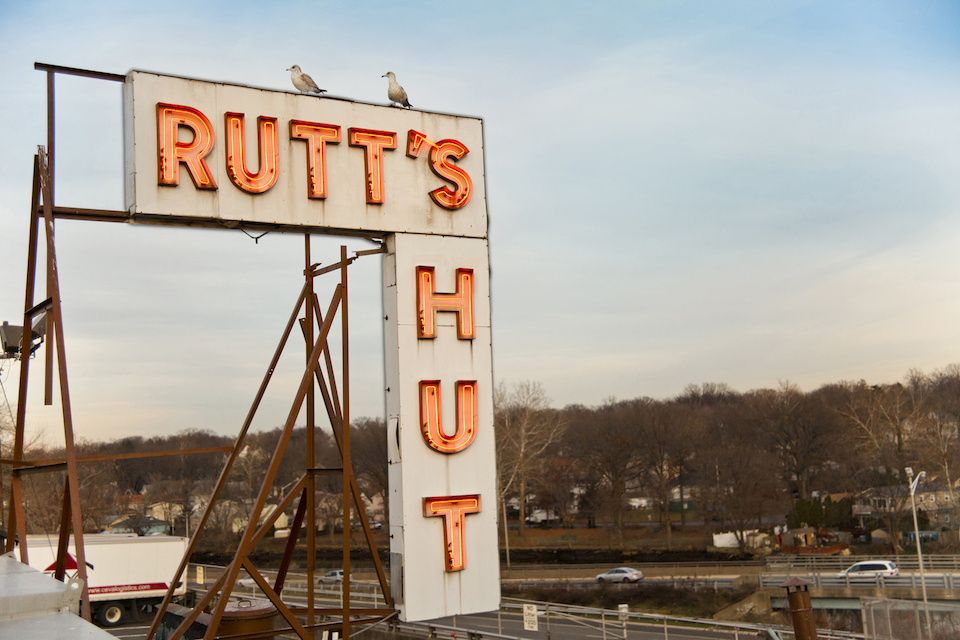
x,y
127,575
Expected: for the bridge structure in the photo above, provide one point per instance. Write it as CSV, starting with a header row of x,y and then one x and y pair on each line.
x,y
832,592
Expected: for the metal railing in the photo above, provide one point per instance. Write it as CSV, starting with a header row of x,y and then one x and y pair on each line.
x,y
714,583
886,619
601,567
907,580
652,621
839,563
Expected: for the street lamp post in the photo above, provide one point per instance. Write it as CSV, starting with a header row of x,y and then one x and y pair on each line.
x,y
916,531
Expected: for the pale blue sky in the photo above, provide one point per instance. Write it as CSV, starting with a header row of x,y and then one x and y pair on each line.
x,y
740,192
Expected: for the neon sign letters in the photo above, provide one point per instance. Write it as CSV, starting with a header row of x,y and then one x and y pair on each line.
x,y
453,510
460,302
172,153
431,424
267,176
429,302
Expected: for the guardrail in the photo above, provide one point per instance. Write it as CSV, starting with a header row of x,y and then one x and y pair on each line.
x,y
715,583
600,567
910,581
838,563
735,628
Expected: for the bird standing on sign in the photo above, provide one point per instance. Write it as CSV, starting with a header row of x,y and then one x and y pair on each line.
x,y
303,82
395,92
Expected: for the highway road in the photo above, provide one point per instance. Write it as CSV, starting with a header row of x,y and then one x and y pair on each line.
x,y
559,629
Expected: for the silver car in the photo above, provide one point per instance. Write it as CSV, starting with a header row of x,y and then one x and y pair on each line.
x,y
621,574
331,577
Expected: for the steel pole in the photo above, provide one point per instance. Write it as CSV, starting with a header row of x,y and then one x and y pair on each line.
x,y
916,532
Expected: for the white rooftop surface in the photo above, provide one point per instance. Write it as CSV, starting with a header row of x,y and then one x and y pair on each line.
x,y
34,605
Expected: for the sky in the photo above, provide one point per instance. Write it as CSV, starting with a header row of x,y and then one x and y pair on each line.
x,y
678,192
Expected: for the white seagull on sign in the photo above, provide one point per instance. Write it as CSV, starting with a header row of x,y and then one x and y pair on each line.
x,y
302,81
395,92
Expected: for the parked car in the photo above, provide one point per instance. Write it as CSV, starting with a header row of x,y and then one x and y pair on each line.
x,y
871,569
621,574
331,577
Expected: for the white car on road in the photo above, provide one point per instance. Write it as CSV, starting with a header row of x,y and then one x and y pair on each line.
x,y
870,569
622,574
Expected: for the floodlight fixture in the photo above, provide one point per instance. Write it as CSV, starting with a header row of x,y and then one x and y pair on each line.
x,y
12,335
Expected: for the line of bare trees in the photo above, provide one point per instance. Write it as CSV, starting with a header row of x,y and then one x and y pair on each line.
x,y
748,455
176,488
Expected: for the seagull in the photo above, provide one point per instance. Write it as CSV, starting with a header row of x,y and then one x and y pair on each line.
x,y
302,81
395,92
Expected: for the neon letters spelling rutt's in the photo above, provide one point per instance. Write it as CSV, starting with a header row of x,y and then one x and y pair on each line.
x,y
171,152
440,154
431,423
374,142
317,136
267,176
429,302
453,510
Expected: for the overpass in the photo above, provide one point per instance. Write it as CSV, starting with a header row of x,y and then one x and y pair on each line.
x,y
832,592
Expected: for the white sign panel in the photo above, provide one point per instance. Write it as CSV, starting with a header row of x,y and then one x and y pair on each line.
x,y
227,153
219,154
530,622
443,523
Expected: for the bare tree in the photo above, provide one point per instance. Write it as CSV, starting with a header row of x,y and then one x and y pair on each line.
x,y
608,440
526,427
939,441
801,429
368,452
744,483
686,437
654,428
886,419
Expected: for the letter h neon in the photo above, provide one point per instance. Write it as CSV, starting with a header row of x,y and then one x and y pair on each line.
x,y
429,302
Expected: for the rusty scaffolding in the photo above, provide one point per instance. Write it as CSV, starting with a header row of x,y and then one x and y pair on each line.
x,y
316,326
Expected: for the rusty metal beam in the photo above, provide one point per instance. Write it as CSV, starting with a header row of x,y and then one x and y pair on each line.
x,y
369,252
336,414
94,215
60,569
106,457
48,185
245,542
197,609
16,519
69,445
328,626
306,326
291,542
337,266
345,444
333,412
43,468
274,598
70,71
221,481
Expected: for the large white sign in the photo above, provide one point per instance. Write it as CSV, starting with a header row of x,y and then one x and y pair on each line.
x,y
231,153
443,521
213,153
